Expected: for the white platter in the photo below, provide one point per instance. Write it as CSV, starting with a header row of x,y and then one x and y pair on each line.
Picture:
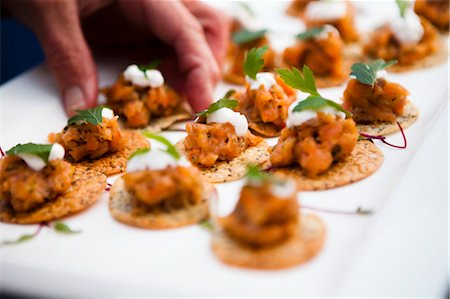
x,y
399,251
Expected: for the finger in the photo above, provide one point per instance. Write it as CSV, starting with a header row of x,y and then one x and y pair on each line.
x,y
216,26
182,31
57,27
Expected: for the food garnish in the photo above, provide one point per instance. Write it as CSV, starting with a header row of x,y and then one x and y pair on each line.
x,y
93,116
171,150
383,138
254,61
206,224
2,153
63,228
150,66
306,83
40,150
245,36
366,73
403,6
311,33
222,103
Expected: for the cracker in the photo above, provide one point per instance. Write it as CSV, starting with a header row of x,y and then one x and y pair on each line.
x,y
267,130
364,160
299,249
226,171
116,162
86,189
158,124
122,209
410,115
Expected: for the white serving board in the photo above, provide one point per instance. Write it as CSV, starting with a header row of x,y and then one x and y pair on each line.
x,y
399,251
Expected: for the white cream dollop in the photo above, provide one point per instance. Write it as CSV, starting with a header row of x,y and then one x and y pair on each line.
x,y
326,10
264,78
284,189
107,113
409,29
226,115
155,159
151,78
382,74
298,118
36,163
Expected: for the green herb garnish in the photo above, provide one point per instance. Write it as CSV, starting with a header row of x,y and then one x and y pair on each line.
x,y
254,61
152,65
367,73
403,6
222,103
40,150
171,150
306,83
206,224
246,8
93,116
255,175
139,152
245,36
311,33
229,93
64,228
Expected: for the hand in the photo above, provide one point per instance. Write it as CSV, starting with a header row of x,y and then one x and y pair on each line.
x,y
188,36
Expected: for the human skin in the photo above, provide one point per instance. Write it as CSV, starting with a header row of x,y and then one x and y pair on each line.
x,y
188,36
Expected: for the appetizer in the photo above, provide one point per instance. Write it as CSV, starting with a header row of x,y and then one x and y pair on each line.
x,y
297,7
435,11
409,39
143,100
266,98
37,185
336,13
242,41
93,139
319,146
220,144
376,104
266,230
160,189
322,50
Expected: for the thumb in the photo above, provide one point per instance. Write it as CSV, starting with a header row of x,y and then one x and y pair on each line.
x,y
57,27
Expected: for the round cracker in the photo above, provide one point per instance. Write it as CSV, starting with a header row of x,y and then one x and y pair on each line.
x,y
266,130
86,189
299,249
116,162
410,115
122,209
226,171
158,124
364,160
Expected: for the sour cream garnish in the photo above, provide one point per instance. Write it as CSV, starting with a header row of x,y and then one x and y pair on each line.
x,y
151,78
37,164
155,159
297,118
326,10
107,113
408,30
284,190
264,78
226,115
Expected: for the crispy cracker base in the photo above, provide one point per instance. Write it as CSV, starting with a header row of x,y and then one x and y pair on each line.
x,y
410,115
122,209
87,187
116,162
226,171
364,160
158,124
264,129
297,250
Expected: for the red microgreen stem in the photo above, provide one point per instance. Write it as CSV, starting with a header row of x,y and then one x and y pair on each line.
x,y
358,211
383,138
108,187
2,153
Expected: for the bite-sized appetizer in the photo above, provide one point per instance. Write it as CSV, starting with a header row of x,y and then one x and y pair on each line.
x,y
319,146
266,230
143,100
93,138
322,50
435,11
220,144
377,104
297,7
160,189
266,98
409,39
37,185
336,13
242,41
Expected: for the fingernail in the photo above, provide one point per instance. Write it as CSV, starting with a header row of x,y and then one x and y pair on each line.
x,y
74,98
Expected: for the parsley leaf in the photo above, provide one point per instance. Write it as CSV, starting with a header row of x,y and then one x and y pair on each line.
x,y
222,103
64,228
294,79
229,94
139,152
403,6
255,175
315,102
254,62
152,65
171,150
40,150
206,224
311,33
21,239
245,36
367,73
93,116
